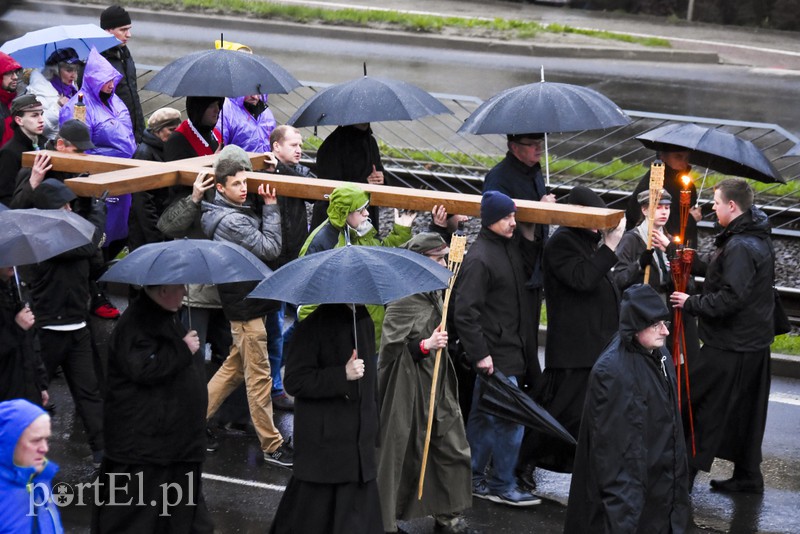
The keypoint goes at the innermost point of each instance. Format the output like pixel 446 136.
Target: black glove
pixel 646 258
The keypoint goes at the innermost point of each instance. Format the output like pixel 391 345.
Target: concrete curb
pixel 784 365
pixel 368 35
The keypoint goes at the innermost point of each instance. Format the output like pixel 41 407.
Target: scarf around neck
pixel 196 140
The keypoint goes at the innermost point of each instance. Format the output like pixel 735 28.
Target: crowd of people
pixel 358 378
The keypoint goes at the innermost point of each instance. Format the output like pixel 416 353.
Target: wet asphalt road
pixel 242 492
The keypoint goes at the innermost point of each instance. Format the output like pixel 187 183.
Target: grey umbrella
pixel 544 107
pixel 34 235
pixel 714 149
pixel 364 100
pixel 354 274
pixel 221 73
pixel 187 261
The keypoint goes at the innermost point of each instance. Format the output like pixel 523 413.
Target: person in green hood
pixel 347 209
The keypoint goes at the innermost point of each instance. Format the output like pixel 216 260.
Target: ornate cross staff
pixel 656 184
pixel 458 245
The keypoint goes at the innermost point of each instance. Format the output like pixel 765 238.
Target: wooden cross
pixel 120 175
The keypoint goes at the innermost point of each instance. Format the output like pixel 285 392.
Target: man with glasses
pixel 630 471
pixel 11 72
pixel 519 175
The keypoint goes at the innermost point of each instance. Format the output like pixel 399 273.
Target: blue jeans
pixel 274 325
pixel 493 439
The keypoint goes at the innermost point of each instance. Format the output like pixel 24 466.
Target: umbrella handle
pixel 19 289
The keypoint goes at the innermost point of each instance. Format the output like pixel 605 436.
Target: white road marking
pixel 785 398
pixel 242 482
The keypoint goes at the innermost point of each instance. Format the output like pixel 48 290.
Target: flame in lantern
pixel 686 180
pixel 677 240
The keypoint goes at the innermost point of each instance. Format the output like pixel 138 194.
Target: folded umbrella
pixel 33 48
pixel 714 149
pixel 501 398
pixel 222 73
pixel 187 261
pixel 34 235
pixel 364 100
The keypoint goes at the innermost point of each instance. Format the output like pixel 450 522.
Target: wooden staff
pixel 656 184
pixel 458 245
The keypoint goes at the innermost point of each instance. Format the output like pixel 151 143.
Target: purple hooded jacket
pixel 111 131
pixel 240 128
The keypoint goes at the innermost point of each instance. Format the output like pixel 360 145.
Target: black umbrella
pixel 365 100
pixel 714 149
pixel 793 152
pixel 221 73
pixel 187 261
pixel 501 398
pixel 353 274
pixel 34 235
pixel 544 107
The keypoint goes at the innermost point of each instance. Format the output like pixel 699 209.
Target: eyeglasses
pixel 14 73
pixel 657 326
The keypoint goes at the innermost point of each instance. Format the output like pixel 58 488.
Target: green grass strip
pixel 507 28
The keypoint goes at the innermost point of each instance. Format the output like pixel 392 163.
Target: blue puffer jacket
pixel 23 511
pixel 240 128
pixel 111 131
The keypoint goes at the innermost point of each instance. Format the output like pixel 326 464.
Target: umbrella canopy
pixel 187 261
pixel 33 48
pixel 544 107
pixel 220 73
pixel 714 149
pixel 353 274
pixel 500 397
pixel 365 100
pixel 34 235
pixel 793 152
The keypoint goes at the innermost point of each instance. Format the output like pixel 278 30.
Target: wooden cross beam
pixel 118 176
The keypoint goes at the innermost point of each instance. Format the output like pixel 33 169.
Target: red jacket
pixel 7 63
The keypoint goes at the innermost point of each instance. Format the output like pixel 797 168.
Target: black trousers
pixel 151 498
pixel 730 394
pixel 72 351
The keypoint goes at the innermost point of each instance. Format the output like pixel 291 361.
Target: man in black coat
pixel 28 124
pixel 155 420
pixel 730 380
pixel 335 426
pixel 492 315
pixel 116 21
pixel 582 316
pixel 630 471
pixel 350 153
pixel 60 293
pixel 147 206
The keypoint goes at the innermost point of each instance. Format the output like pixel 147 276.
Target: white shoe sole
pixel 500 500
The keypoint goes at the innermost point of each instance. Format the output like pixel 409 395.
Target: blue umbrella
pixel 366 100
pixel 187 261
pixel 34 235
pixel 222 73
pixel 33 48
pixel 353 274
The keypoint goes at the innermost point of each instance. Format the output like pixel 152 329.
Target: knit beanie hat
pixel 494 206
pixel 114 17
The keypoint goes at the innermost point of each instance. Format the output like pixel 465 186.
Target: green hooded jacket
pixel 344 200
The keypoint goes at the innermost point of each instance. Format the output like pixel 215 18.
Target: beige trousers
pixel 248 362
